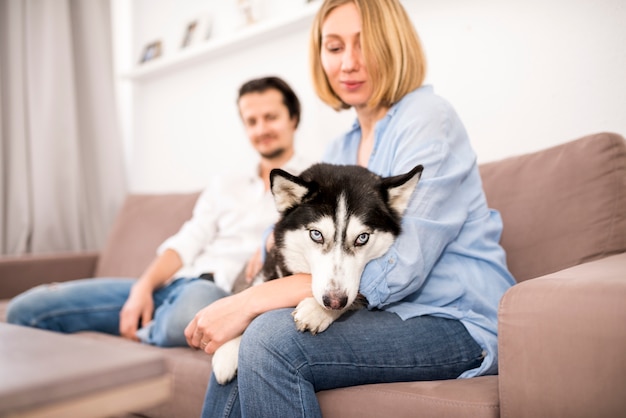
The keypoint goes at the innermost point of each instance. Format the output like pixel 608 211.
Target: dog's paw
pixel 225 361
pixel 309 315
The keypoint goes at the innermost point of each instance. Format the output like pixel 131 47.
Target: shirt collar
pixel 295 165
pixel 392 110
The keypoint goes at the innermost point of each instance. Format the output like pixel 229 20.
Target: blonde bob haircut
pixel 391 48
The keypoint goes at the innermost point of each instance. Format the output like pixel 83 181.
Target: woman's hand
pixel 138 308
pixel 219 322
pixel 229 317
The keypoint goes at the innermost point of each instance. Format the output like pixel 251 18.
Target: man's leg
pixel 78 305
pixel 175 308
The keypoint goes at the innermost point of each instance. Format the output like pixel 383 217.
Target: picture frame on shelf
pixel 189 34
pixel 151 51
pixel 247 12
pixel 197 30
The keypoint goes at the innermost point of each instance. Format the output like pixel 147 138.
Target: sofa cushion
pixel 459 398
pixel 191 369
pixel 560 206
pixel 153 218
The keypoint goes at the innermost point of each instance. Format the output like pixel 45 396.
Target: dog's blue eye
pixel 362 239
pixel 316 236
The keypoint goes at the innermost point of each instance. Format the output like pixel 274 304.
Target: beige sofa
pixel 562 334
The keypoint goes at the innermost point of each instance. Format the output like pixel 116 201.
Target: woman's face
pixel 342 57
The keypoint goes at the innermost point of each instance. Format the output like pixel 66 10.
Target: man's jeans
pixel 95 304
pixel 280 368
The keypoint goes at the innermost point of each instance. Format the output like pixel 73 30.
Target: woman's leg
pixel 280 369
pixel 221 401
pixel 176 308
pixel 78 305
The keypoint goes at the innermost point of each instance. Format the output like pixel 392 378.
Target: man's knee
pixel 23 309
pixel 14 314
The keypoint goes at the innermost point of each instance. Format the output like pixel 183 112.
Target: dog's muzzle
pixel 334 300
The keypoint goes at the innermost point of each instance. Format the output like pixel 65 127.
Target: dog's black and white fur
pixel 334 219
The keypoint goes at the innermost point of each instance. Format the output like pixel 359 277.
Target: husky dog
pixel 334 219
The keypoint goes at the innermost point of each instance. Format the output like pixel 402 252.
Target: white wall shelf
pixel 213 48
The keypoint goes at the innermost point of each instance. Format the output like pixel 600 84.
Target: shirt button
pixel 391 261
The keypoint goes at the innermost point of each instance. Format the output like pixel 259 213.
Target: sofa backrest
pixel 143 223
pixel 560 206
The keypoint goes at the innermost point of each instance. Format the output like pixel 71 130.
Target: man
pixel 197 265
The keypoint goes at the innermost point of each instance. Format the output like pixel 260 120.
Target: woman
pixel 433 297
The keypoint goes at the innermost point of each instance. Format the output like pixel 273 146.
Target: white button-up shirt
pixel 227 225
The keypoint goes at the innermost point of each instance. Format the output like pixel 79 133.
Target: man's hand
pixel 254 266
pixel 139 307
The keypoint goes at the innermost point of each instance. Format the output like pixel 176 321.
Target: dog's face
pixel 334 220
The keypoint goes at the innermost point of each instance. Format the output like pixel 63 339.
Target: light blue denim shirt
pixel 447 261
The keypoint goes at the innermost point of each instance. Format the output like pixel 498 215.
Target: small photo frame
pixel 197 30
pixel 150 52
pixel 189 34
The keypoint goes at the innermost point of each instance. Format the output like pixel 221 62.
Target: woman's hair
pixel 391 48
pixel 260 85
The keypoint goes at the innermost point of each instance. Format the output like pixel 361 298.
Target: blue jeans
pixel 95 304
pixel 280 369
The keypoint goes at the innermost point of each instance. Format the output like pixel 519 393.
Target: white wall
pixel 522 76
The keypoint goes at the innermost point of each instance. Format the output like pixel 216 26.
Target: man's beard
pixel 278 152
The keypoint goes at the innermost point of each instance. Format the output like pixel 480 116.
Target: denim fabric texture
pixel 95 304
pixel 278 377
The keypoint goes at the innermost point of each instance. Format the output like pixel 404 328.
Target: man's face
pixel 267 123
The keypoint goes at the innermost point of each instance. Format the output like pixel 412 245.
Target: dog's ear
pixel 288 190
pixel 400 188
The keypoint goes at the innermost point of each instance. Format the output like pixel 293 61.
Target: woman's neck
pixel 368 117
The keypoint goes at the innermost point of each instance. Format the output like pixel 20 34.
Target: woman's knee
pixel 273 350
pixel 270 333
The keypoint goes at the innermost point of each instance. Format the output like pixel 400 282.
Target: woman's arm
pixel 228 317
pixel 424 130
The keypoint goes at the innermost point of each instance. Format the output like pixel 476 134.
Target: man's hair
pixel 260 85
pixel 391 49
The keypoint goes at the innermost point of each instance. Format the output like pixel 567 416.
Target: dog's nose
pixel 335 300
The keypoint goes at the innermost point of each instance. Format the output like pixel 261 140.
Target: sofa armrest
pixel 19 273
pixel 562 343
